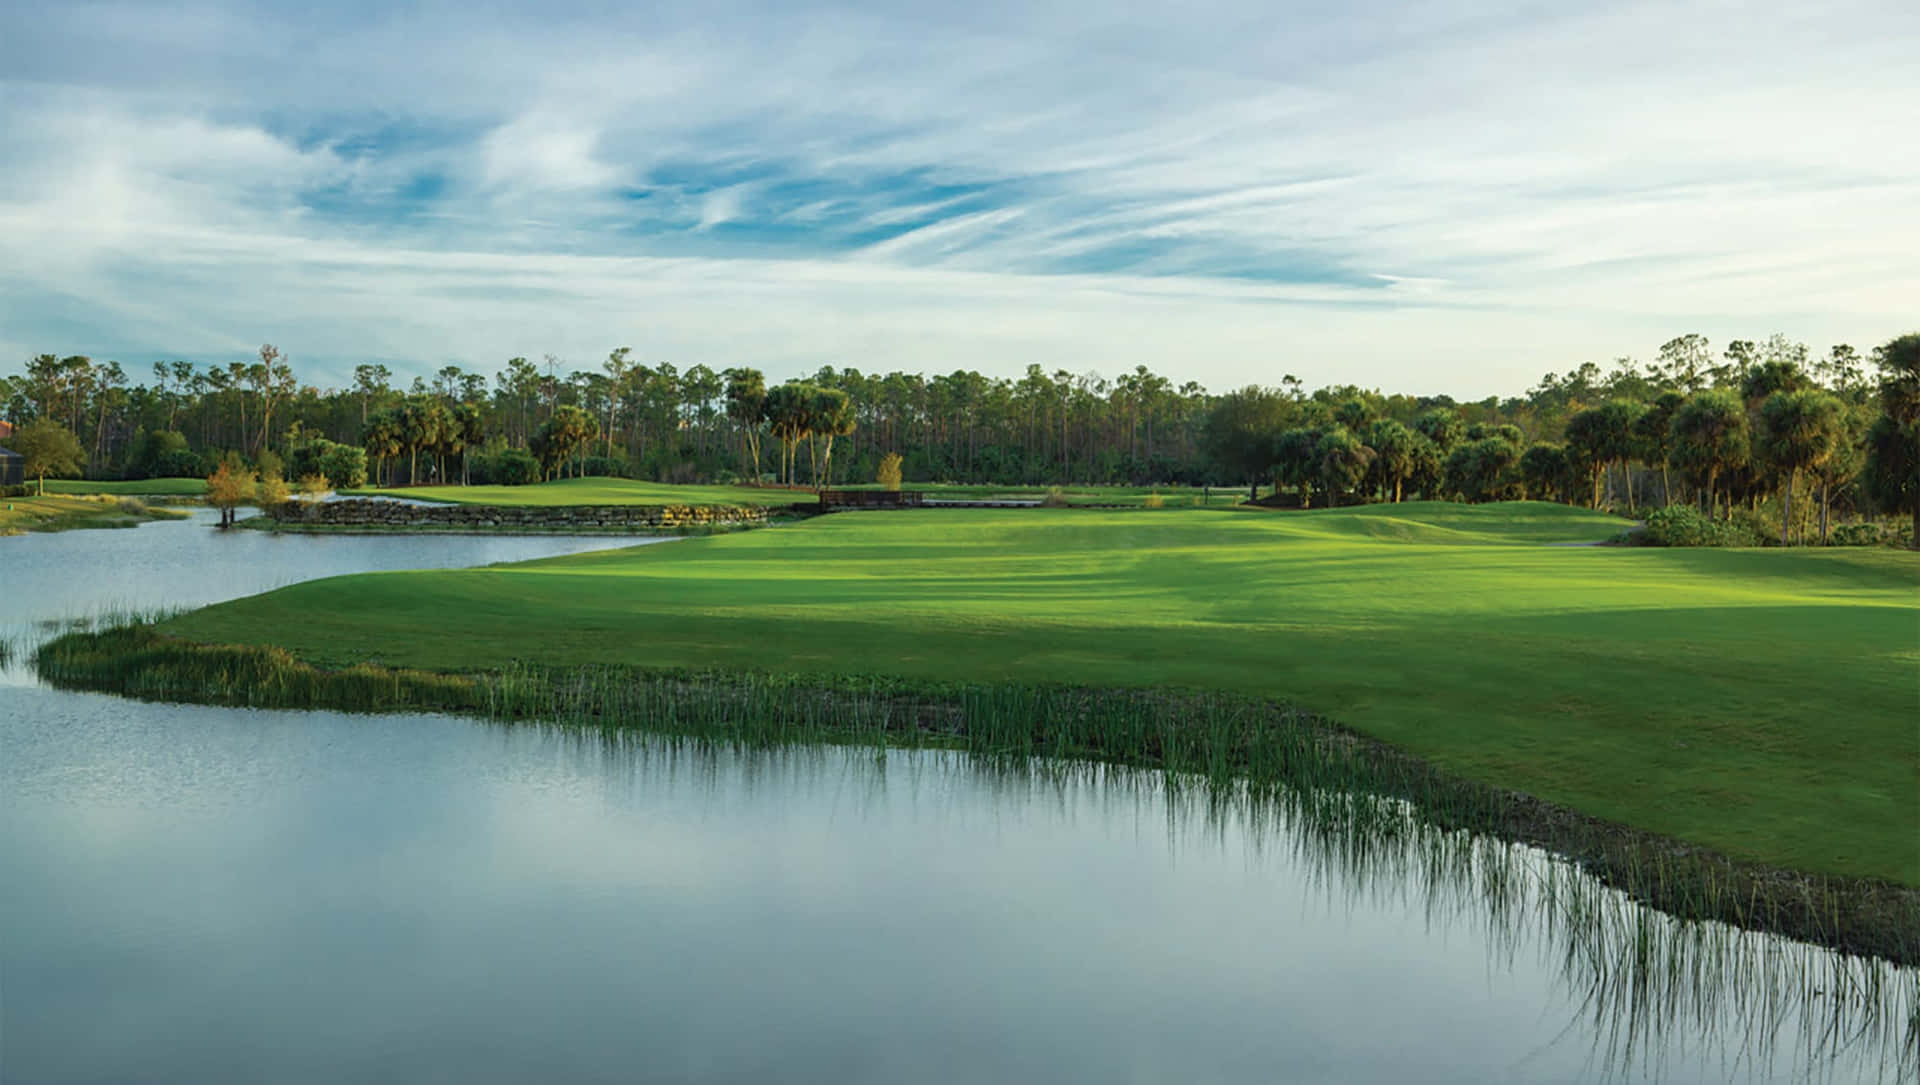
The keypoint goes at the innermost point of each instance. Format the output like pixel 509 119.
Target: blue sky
pixel 1421 196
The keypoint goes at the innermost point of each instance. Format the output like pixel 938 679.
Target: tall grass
pixel 1645 985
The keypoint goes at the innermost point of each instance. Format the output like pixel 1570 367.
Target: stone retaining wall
pixel 364 513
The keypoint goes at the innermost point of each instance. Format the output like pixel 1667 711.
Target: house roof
pixel 7 453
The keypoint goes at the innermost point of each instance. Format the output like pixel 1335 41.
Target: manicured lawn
pixel 620 491
pixel 1763 702
pixel 1171 496
pixel 594 491
pixel 146 487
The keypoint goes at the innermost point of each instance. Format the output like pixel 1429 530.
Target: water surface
pixel 203 894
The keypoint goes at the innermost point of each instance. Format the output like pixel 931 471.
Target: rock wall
pixel 365 513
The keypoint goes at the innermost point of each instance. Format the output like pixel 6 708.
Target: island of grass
pixel 1757 703
pixel 70 512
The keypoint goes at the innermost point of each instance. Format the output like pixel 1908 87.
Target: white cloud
pixel 1497 191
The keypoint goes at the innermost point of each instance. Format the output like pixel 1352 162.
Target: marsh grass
pixel 1226 740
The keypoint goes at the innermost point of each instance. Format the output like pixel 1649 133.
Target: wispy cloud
pixel 1364 194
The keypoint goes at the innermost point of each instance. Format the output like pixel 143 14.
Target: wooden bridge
pixel 871 499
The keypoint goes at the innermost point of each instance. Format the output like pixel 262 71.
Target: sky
pixel 1422 197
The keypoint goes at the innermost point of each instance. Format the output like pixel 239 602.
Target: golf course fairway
pixel 1760 702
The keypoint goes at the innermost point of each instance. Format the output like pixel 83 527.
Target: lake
pixel 201 894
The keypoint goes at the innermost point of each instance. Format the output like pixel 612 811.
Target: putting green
pixel 1762 702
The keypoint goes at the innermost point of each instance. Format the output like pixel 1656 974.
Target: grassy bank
pixel 1757 702
pixel 56 512
pixel 146 487
pixel 1315 774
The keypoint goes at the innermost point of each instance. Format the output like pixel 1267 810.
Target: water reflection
pixel 1647 997
pixel 206 894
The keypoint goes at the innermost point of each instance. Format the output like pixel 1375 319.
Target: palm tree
pixel 1893 445
pixel 1710 438
pixel 831 412
pixel 382 442
pixel 1343 462
pixel 787 411
pixel 746 407
pixel 1798 431
pixel 1393 449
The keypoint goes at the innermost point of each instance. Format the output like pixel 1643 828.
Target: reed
pixel 1229 742
pixel 1643 984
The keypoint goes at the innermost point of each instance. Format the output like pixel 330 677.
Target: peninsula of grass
pixel 1757 703
pixel 146 487
pixel 68 512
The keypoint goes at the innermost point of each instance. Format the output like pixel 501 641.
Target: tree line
pixel 1754 422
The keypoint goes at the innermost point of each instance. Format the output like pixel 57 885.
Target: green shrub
pixel 1858 535
pixel 343 465
pixel 180 463
pixel 514 467
pixel 1684 525
pixel 604 467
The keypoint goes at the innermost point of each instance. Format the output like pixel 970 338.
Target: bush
pixel 344 465
pixel 1858 535
pixel 888 473
pixel 1154 501
pixel 270 492
pixel 604 467
pixel 179 463
pixel 1684 525
pixel 514 467
pixel 151 449
pixel 1056 498
pixel 271 465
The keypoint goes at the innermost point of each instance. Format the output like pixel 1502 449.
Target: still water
pixel 196 894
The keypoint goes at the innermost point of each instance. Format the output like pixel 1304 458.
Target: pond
pixel 205 894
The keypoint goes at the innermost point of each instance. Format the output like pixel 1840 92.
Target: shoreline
pixel 1224 738
pixel 268 524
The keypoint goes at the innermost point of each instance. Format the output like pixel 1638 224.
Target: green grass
pixel 1171 496
pixel 620 491
pixel 64 512
pixel 147 487
pixel 593 491
pixel 1760 702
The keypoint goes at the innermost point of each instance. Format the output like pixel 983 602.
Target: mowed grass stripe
pixel 1759 702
